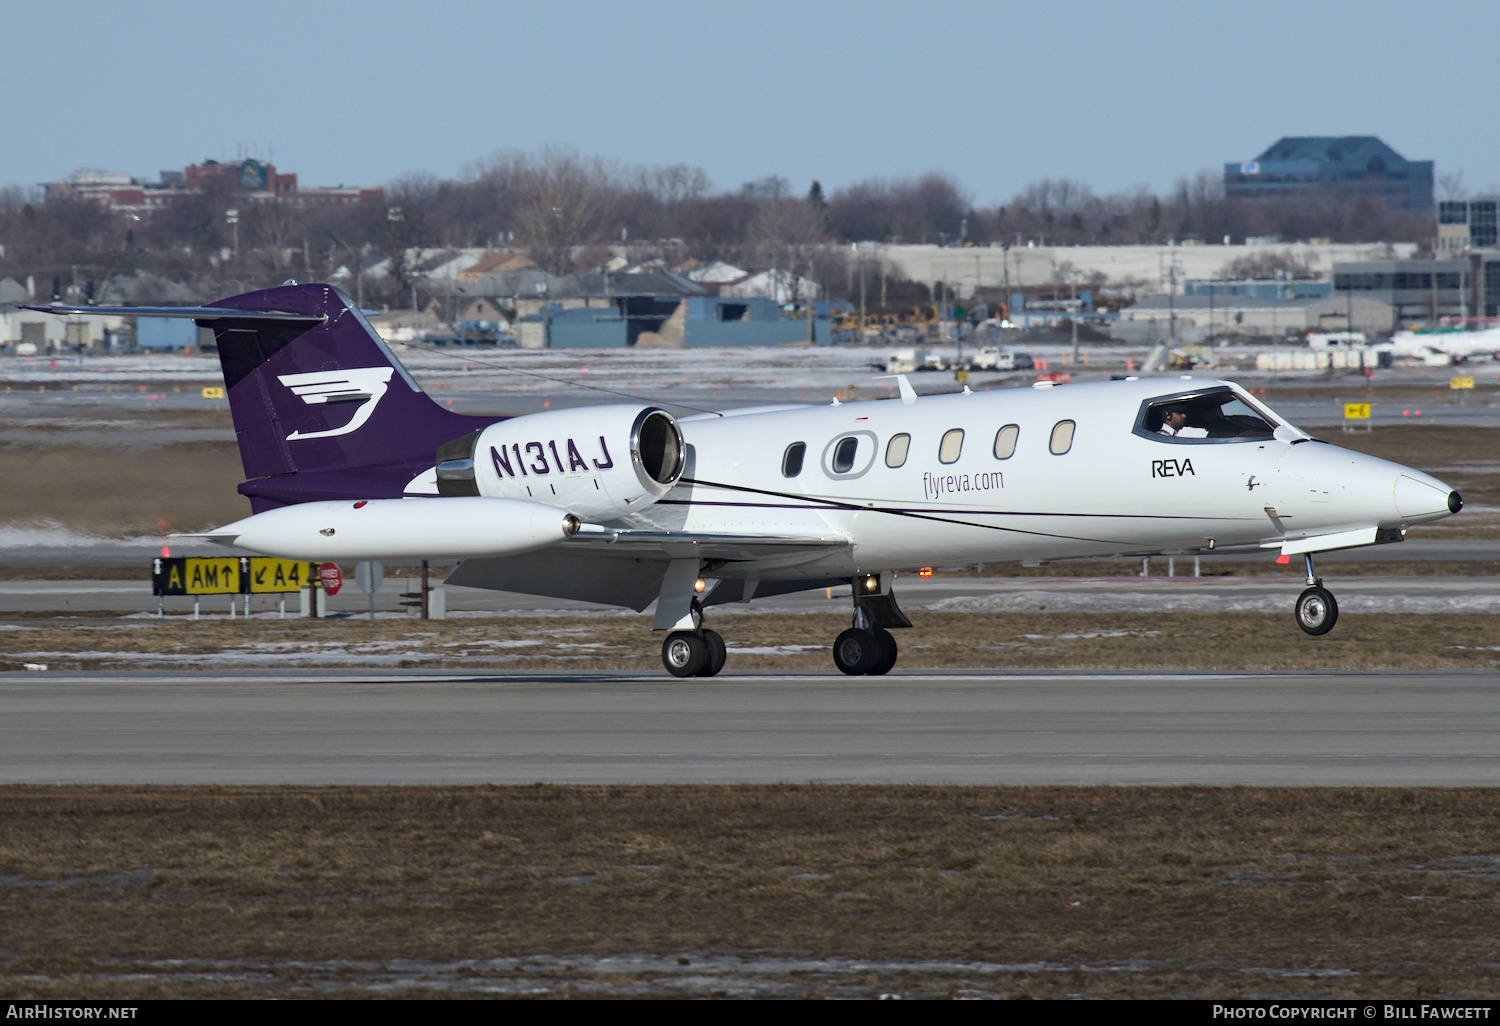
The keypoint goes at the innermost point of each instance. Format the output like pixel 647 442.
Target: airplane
pixel 1442 347
pixel 346 458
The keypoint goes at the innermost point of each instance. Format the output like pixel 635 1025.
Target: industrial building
pixel 1467 224
pixel 1426 291
pixel 1344 166
pixel 1200 318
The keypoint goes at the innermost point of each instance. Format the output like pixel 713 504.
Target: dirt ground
pixel 768 641
pixel 775 890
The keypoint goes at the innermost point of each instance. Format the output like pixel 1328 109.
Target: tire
pixel 684 654
pixel 717 653
pixel 855 651
pixel 1316 611
pixel 885 657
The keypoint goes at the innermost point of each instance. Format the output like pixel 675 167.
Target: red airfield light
pixel 926 571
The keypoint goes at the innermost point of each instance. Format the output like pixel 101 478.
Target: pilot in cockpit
pixel 1174 423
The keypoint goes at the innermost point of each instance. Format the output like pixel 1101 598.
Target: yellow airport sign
pixel 193 576
pixel 213 576
pixel 213 393
pixel 269 576
pixel 1356 411
pixel 1460 383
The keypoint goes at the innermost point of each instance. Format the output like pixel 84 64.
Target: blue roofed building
pixel 1346 166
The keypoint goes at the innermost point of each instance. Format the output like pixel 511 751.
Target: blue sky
pixel 998 94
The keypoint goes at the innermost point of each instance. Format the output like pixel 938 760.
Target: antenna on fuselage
pixel 908 394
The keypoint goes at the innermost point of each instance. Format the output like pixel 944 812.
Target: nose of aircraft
pixel 1420 498
pixel 1355 486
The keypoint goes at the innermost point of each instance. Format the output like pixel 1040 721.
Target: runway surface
pixel 1375 729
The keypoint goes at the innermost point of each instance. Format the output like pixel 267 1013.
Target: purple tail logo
pixel 364 385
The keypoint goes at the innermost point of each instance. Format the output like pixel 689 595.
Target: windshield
pixel 1213 415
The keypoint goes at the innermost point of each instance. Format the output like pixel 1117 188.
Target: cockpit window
pixel 1217 415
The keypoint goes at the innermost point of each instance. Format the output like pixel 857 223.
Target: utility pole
pixel 1172 302
pixel 861 300
pixel 1076 312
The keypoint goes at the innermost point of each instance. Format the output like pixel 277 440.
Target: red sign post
pixel 331 577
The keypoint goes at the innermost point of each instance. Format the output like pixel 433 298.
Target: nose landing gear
pixel 1316 610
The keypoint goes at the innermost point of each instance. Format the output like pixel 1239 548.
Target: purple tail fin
pixel 322 409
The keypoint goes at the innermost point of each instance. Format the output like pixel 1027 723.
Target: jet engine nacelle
pixel 401 529
pixel 600 462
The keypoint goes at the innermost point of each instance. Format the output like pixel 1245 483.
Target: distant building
pixel 1427 290
pixel 1260 288
pixel 252 181
pixel 1345 166
pixel 1200 318
pixel 1467 224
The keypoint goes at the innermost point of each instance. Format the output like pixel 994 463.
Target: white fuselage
pixel 1113 490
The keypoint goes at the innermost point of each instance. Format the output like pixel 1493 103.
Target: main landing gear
pixel 699 653
pixel 692 650
pixel 868 648
pixel 1316 610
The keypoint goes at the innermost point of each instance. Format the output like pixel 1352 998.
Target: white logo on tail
pixel 364 385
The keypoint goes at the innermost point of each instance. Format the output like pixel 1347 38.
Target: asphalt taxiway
pixel 341 727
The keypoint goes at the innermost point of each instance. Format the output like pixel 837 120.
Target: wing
pixel 627 568
pixel 761 549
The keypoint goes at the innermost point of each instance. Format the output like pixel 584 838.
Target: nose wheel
pixel 1316 610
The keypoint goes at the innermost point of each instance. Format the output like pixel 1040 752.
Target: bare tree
pixel 1451 185
pixel 563 200
pixel 788 233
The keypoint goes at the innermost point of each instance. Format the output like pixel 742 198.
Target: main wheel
pixel 684 654
pixel 717 652
pixel 1316 611
pixel 855 651
pixel 886 656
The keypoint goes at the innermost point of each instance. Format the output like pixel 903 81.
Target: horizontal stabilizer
pixel 197 313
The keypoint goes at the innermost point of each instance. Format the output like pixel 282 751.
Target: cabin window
pixel 896 450
pixel 1215 416
pixel 1005 441
pixel 952 445
pixel 1062 437
pixel 791 460
pixel 843 455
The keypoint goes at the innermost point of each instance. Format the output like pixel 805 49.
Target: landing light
pixel 699 585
